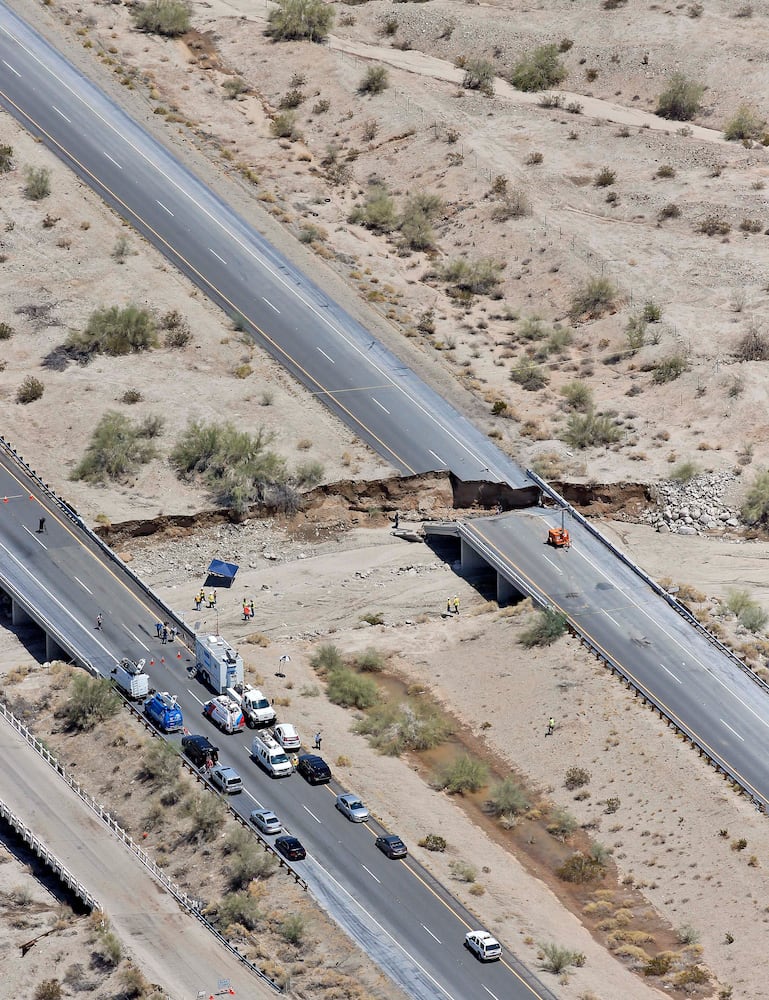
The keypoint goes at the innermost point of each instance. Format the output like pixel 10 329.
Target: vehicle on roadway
pixel 271 756
pixel 217 663
pixel 290 848
pixel 199 750
pixel 352 807
pixel 226 779
pixel 313 769
pixel 392 846
pixel 164 712
pixel 256 707
pixel 131 679
pixel 287 736
pixel 485 947
pixel 266 821
pixel 225 713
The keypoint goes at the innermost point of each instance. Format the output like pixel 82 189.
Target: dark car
pixel 199 749
pixel 392 846
pixel 290 848
pixel 314 769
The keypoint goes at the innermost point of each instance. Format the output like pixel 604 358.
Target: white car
pixel 483 945
pixel 352 807
pixel 266 821
pixel 287 736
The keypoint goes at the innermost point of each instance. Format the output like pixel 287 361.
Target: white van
pixel 271 756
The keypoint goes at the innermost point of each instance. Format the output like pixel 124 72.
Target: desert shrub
pixel 170 18
pixel 415 221
pixel 479 75
pixel 737 600
pixel 605 177
pixel 476 277
pixel 539 69
pixel 434 842
pixel 346 688
pixel 508 798
pixel 294 928
pixel 680 99
pixel 118 447
pixel 751 225
pixel 578 396
pixel 132 983
pixel 91 700
pixel 234 86
pixel 283 126
pixel 292 98
pixel 753 618
pixel 529 376
pixel 561 823
pixel 684 472
pixel 557 959
pixel 462 871
pixel 591 430
pixel 576 777
pixel 753 345
pixel 580 868
pixel 592 299
pixel 115 331
pixel 49 989
pixel 377 211
pixel 6 159
pixel 325 659
pixel 755 507
pixel 250 862
pixel 687 934
pixel 177 329
pixel 635 332
pixel 30 390
pixel 669 369
pixel 37 183
pixel 206 813
pixel 370 661
pixel 547 626
pixel 713 225
pixel 744 124
pixel 237 466
pixel 293 20
pixel 6 331
pixel 238 908
pixel 651 312
pixel 463 774
pixel 665 170
pixel 321 107
pixel 309 473
pixel 511 205
pixel 393 728
pixel 109 948
pixel 669 211
pixel 160 763
pixel 694 975
pixel 374 80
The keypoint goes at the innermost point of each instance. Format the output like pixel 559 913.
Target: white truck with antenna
pixel 217 663
pixel 256 708
pixel 131 679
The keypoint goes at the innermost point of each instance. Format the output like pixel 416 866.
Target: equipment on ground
pixel 559 538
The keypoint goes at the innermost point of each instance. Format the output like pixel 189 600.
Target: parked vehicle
pixel 217 663
pixel 256 708
pixel 392 846
pixel 287 736
pixel 266 821
pixel 164 712
pixel 291 848
pixel 485 947
pixel 352 807
pixel 313 769
pixel 199 750
pixel 225 713
pixel 131 679
pixel 271 756
pixel 227 780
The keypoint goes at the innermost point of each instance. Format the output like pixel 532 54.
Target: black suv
pixel 314 769
pixel 199 749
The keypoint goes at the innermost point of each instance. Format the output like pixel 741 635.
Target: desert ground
pixel 711 292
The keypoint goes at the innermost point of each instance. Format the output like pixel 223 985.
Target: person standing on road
pixel 456 605
pixel 550 726
pixel 159 628
pixel 164 635
pixel 98 621
pixel 41 528
pixel 197 602
pixel 318 738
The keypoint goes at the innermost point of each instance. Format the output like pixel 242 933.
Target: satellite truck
pixel 131 679
pixel 217 663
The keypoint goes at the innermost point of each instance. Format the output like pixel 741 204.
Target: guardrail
pixel 187 902
pixel 616 667
pixel 670 599
pixel 49 858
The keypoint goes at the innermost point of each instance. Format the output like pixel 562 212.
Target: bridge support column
pixel 53 650
pixel 505 590
pixel 19 616
pixel 472 561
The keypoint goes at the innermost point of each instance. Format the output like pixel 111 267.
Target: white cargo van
pixel 271 756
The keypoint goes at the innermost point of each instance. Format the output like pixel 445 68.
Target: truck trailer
pixel 217 663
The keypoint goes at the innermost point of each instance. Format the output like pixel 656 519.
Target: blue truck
pixel 164 712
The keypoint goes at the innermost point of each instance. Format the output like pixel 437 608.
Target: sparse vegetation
pixel 529 375
pixel 681 98
pixel 508 798
pixel 91 700
pixel 473 277
pixel 578 396
pixel 745 124
pixel 296 20
pixel 479 75
pixel 580 868
pixel 238 908
pixel 593 299
pixel 350 690
pixel 293 928
pixel 374 80
pixel 31 389
pixel 463 871
pixel 561 823
pixel 114 331
pixel 434 842
pixel 755 507
pixel 463 774
pixel 605 177
pixel 6 159
pixel 170 18
pixel 557 959
pixel 206 813
pixel 394 728
pixel 576 777
pixel 6 331
pixel 591 430
pixel 49 989
pixel 713 225
pixel 547 626
pixel 684 472
pixel 539 70
pixel 670 368
pixel 37 183
pixel 234 86
pixel 283 126
pixel 118 447
pixel 377 211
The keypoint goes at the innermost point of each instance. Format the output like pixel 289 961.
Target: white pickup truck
pixel 256 708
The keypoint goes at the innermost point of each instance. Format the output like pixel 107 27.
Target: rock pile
pixel 695 507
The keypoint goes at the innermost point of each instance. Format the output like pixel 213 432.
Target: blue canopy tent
pixel 221 573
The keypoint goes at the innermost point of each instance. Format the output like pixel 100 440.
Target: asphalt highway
pixel 365 385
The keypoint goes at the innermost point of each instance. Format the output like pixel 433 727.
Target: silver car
pixel 352 807
pixel 266 821
pixel 226 779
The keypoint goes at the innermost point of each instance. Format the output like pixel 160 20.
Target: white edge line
pixel 732 730
pixel 371 874
pixel 312 814
pixel 431 933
